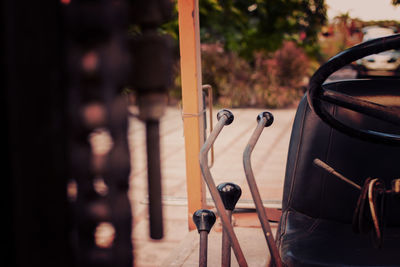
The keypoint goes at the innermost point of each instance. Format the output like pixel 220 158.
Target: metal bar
pixel 214 193
pixel 210 110
pixel 203 249
pixel 154 179
pixel 192 107
pixel 226 245
pixel 204 221
pixel 256 194
pixel 326 167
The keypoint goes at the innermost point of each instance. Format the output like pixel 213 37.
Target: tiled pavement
pixel 179 247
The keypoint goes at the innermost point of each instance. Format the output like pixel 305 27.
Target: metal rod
pixel 230 194
pixel 386 113
pixel 226 245
pixel 204 221
pixel 154 179
pixel 203 249
pixel 262 215
pixel 214 193
pixel 326 167
pixel 210 107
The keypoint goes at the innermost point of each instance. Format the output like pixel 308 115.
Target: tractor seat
pixel 309 241
pixel 317 208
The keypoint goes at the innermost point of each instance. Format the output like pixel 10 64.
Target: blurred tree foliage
pixel 247 26
pixel 256 52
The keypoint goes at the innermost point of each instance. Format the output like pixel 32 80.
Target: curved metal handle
pixel 210 107
pixel 225 117
pixel 264 119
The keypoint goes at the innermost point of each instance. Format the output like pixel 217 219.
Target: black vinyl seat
pixel 317 208
pixel 309 241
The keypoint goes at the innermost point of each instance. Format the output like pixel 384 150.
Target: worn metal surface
pixel 209 92
pixel 226 245
pixel 223 120
pixel 203 249
pixel 255 192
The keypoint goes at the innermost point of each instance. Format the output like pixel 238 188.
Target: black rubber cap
pixel 204 220
pixel 230 194
pixel 268 116
pixel 226 112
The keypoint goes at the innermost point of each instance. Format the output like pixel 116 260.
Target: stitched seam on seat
pixel 324 176
pixel 283 227
pixel 315 224
pixel 297 157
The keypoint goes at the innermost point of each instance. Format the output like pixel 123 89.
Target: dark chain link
pixel 97 68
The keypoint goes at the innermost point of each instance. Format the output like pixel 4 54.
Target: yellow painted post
pixel 193 124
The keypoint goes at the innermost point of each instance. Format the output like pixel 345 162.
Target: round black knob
pixel 230 194
pixel 227 113
pixel 204 220
pixel 268 116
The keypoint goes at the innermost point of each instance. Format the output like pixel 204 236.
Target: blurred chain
pixel 97 68
pixel 151 75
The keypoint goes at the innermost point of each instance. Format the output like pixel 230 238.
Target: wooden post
pixel 192 102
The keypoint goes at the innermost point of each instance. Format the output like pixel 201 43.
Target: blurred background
pixel 262 53
pixel 256 55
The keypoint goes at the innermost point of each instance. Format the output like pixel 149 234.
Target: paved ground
pixel 268 161
pixel 179 247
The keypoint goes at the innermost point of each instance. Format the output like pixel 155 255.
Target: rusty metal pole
pixel 225 117
pixel 204 221
pixel 264 119
pixel 230 194
pixel 203 249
